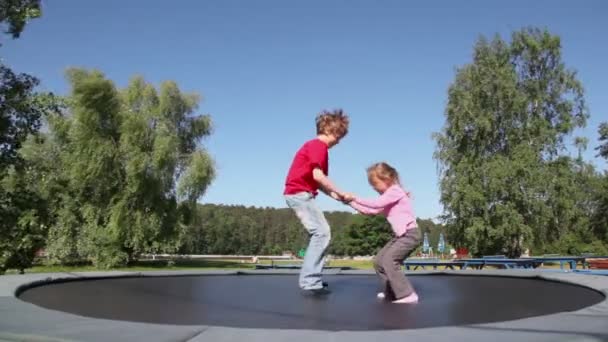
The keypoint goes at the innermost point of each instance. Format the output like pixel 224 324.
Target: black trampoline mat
pixel 276 302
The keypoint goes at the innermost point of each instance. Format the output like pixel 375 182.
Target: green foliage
pixel 220 229
pixel 22 231
pixel 14 15
pixel 599 219
pixel 22 211
pixel 365 236
pixel 603 147
pixel 575 244
pixel 504 182
pixel 126 169
pixel 20 113
pixel 198 171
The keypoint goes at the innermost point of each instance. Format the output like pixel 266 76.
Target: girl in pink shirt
pixel 396 204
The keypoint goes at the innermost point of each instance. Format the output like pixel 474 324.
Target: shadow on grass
pixel 190 263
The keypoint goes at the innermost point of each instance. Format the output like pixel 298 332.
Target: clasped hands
pixel 344 197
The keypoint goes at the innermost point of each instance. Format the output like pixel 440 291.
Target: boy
pixel 308 174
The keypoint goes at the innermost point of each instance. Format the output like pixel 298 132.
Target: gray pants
pixel 389 260
pixel 318 229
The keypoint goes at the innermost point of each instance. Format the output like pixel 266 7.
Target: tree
pixel 127 172
pixel 603 147
pixel 20 111
pixel 599 220
pixel 14 15
pixel 366 235
pixel 508 116
pixel 22 230
pixel 581 145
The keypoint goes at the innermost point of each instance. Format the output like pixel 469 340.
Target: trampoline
pixel 273 301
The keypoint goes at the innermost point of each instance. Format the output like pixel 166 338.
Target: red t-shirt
pixel 313 154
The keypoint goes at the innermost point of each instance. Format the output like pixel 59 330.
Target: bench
pixel 415 264
pixel 507 263
pixel 597 264
pixel 572 261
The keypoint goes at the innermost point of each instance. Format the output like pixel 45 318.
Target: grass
pixel 185 264
pixel 358 264
pixel 146 265
pixel 198 264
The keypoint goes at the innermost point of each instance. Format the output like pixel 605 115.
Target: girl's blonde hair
pixel 384 172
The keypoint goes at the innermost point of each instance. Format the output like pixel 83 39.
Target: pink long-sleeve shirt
pixel 395 204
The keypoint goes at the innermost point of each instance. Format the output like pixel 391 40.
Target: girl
pixel 395 203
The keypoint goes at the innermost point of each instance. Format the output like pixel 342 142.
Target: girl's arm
pixel 390 196
pixel 363 209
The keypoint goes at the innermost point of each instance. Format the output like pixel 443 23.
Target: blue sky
pixel 265 68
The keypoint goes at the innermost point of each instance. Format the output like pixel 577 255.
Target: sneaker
pixel 412 298
pixel 317 292
pixel 381 295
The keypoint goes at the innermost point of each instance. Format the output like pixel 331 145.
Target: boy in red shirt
pixel 308 174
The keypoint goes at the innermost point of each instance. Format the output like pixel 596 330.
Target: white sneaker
pixel 411 299
pixel 381 295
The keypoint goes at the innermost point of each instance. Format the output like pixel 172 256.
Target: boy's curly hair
pixel 334 122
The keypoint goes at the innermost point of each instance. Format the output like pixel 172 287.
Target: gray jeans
pixel 389 260
pixel 314 222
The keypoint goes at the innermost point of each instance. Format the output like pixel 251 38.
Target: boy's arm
pixel 325 184
pixel 331 194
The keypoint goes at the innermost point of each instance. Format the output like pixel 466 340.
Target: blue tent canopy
pixel 441 244
pixel 425 243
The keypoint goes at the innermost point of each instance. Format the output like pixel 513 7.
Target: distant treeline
pixel 220 229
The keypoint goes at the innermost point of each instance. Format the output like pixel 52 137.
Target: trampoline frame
pixel 20 320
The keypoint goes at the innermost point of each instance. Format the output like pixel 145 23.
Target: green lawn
pixel 358 264
pixel 156 265
pixel 186 264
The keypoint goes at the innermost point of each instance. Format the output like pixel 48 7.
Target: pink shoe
pixel 413 298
